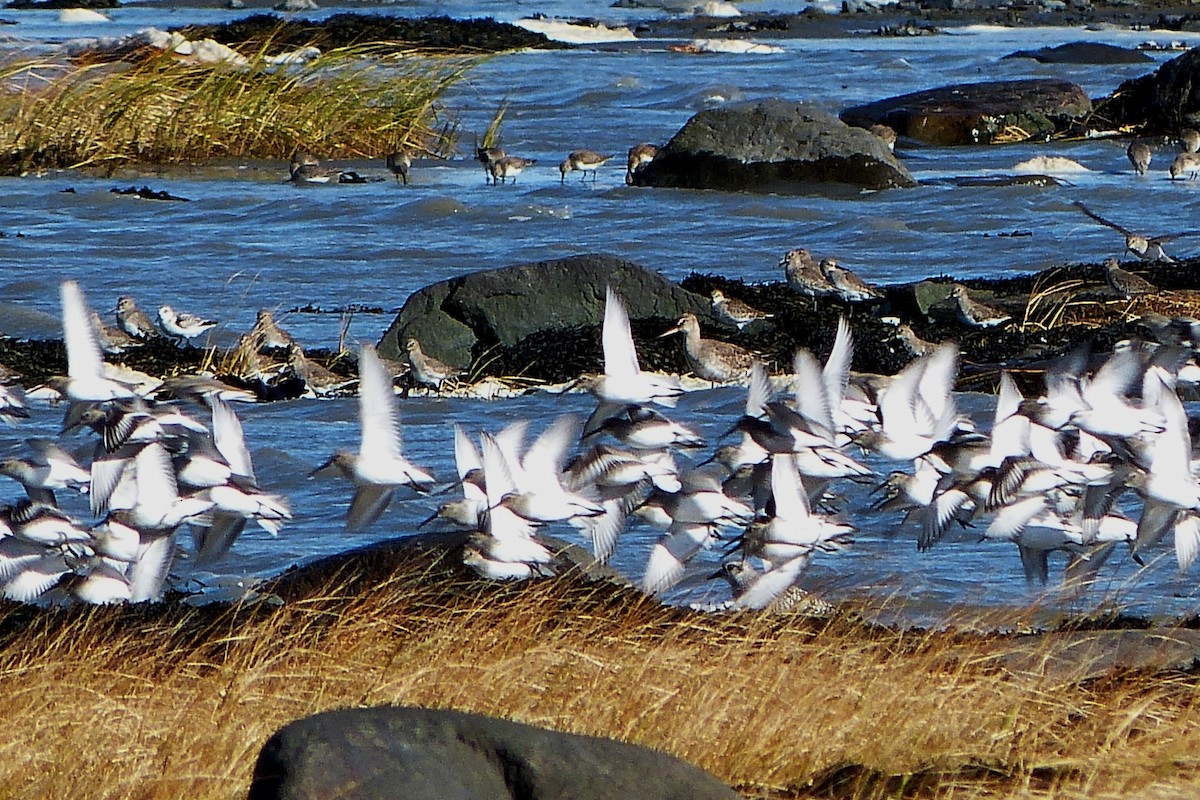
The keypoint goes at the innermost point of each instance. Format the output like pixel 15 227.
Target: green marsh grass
pixel 359 101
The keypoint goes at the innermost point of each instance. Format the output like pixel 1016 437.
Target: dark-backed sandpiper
pixel 267 333
pixel 848 287
pixel 1125 283
pixel 398 164
pixel 583 160
pixel 804 275
pixel 975 314
pixel 734 311
pixel 1188 163
pixel 639 156
pixel 913 344
pixel 485 156
pixel 887 134
pixel 427 369
pixel 306 168
pixel 134 321
pixel 509 167
pixel 1139 156
pixel 709 358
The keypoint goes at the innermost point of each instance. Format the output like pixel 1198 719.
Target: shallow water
pixel 248 240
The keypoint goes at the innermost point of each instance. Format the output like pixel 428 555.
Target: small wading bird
pixel 398 164
pixel 639 156
pixel 1188 163
pixel 487 156
pixel 182 326
pixel 1139 156
pixel 1144 247
pixel 583 160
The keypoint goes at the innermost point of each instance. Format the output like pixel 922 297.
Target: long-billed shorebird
pixel 1125 283
pixel 974 314
pixel 736 312
pixel 639 156
pixel 509 167
pixel 583 160
pixel 711 359
pixel 1139 156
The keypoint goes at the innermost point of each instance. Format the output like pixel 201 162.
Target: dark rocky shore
pixel 487 316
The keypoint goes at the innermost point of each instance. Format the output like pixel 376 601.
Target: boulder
pixel 1161 103
pixel 386 753
pixel 458 319
pixel 997 112
pixel 772 146
pixel 1084 53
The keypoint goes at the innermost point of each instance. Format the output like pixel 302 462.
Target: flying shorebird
pixel 378 469
pixel 1145 248
pixel 583 160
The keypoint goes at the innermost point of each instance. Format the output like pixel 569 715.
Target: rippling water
pixel 248 240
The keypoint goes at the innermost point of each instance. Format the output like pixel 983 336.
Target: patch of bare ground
pixel 172 701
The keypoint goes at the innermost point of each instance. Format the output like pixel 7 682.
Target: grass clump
pixel 170 701
pixel 358 101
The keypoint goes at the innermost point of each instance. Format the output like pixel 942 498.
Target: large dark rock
pixel 1084 53
pixel 388 753
pixel 459 319
pixel 1162 102
pixel 979 113
pixel 772 146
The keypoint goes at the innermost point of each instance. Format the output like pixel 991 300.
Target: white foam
pixel 574 33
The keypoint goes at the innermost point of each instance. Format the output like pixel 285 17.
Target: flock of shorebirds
pixel 1048 476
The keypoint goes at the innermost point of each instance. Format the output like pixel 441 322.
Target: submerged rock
pixel 998 112
pixel 459 320
pixel 772 146
pixel 389 752
pixel 1084 53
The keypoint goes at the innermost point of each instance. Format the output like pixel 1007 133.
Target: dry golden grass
pixel 171 702
pixel 361 101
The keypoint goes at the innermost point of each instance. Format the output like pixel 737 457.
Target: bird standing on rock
pixel 639 156
pixel 736 312
pixel 804 275
pixel 848 287
pixel 974 314
pixel 1125 283
pixel 427 369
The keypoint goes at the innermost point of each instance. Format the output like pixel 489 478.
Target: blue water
pixel 248 240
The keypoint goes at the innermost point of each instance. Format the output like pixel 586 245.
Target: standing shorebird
pixel 709 358
pixel 427 369
pixel 1125 283
pixel 398 163
pixel 182 326
pixel 583 160
pixel 486 156
pixel 974 314
pixel 639 156
pixel 1186 162
pixel 914 344
pixel 134 321
pixel 1144 247
pixel 734 311
pixel 509 167
pixel 887 134
pixel 267 333
pixel 1139 155
pixel 804 275
pixel 848 287
pixel 1189 139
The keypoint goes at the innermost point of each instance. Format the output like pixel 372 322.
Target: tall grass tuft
pixel 359 101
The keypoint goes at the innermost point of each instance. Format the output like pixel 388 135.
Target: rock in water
pixel 386 753
pixel 979 113
pixel 503 306
pixel 772 146
pixel 1159 103
pixel 1084 53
